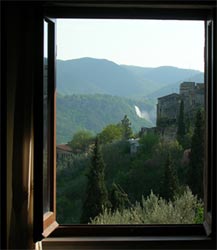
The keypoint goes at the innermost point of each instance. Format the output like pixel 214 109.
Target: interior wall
pixel 11 53
pixel 20 63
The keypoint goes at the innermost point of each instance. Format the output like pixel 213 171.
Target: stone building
pixel 193 97
pixel 64 151
pixel 134 145
pixel 168 106
pixel 168 109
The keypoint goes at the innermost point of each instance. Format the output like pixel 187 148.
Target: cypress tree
pixel 96 192
pixel 127 130
pixel 181 125
pixel 118 198
pixel 170 181
pixel 195 172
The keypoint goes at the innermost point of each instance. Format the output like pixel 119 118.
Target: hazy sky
pixel 148 43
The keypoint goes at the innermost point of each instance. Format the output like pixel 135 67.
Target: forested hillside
pixel 94 112
pixel 106 183
pixel 90 76
pixel 95 92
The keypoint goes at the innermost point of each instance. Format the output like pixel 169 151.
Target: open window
pixel 46 207
pixel 94 77
pixel 210 169
pixel 45 181
pixel 49 130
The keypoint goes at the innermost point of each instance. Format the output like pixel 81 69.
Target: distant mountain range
pixel 91 76
pixel 174 87
pixel 93 93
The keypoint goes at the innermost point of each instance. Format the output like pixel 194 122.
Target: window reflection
pixel 46 197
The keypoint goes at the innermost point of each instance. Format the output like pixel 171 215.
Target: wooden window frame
pixel 188 236
pixel 49 218
pixel 47 222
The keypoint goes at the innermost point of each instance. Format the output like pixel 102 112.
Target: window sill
pixel 151 242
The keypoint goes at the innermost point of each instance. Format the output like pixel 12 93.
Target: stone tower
pixel 192 95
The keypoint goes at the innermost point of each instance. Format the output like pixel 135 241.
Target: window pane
pixel 46 188
pixel 130 121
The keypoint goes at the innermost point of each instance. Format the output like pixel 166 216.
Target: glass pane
pixel 130 121
pixel 46 188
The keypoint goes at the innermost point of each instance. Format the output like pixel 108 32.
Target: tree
pixel 110 133
pixel 181 125
pixel 127 130
pixel 81 141
pixel 118 198
pixel 170 181
pixel 96 192
pixel 195 172
pixel 148 142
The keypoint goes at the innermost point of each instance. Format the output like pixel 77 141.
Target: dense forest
pixel 105 182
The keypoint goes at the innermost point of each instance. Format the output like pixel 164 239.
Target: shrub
pixel 184 209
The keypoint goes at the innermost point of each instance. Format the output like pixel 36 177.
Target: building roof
pixel 133 141
pixel 188 83
pixel 64 147
pixel 166 96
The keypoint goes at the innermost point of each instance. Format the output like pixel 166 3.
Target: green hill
pixel 94 112
pixel 93 93
pixel 91 76
pixel 174 87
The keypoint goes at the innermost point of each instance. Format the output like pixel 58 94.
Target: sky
pixel 145 43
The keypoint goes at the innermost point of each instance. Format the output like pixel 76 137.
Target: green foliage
pixel 136 174
pixel 148 142
pixel 139 173
pixel 172 147
pixel 118 198
pixel 155 210
pixel 181 125
pixel 81 141
pixel 170 181
pixel 199 215
pixel 96 191
pixel 126 126
pixel 94 112
pixel 118 161
pixel 71 184
pixel 110 133
pixel 148 169
pixel 195 173
pixel 190 120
